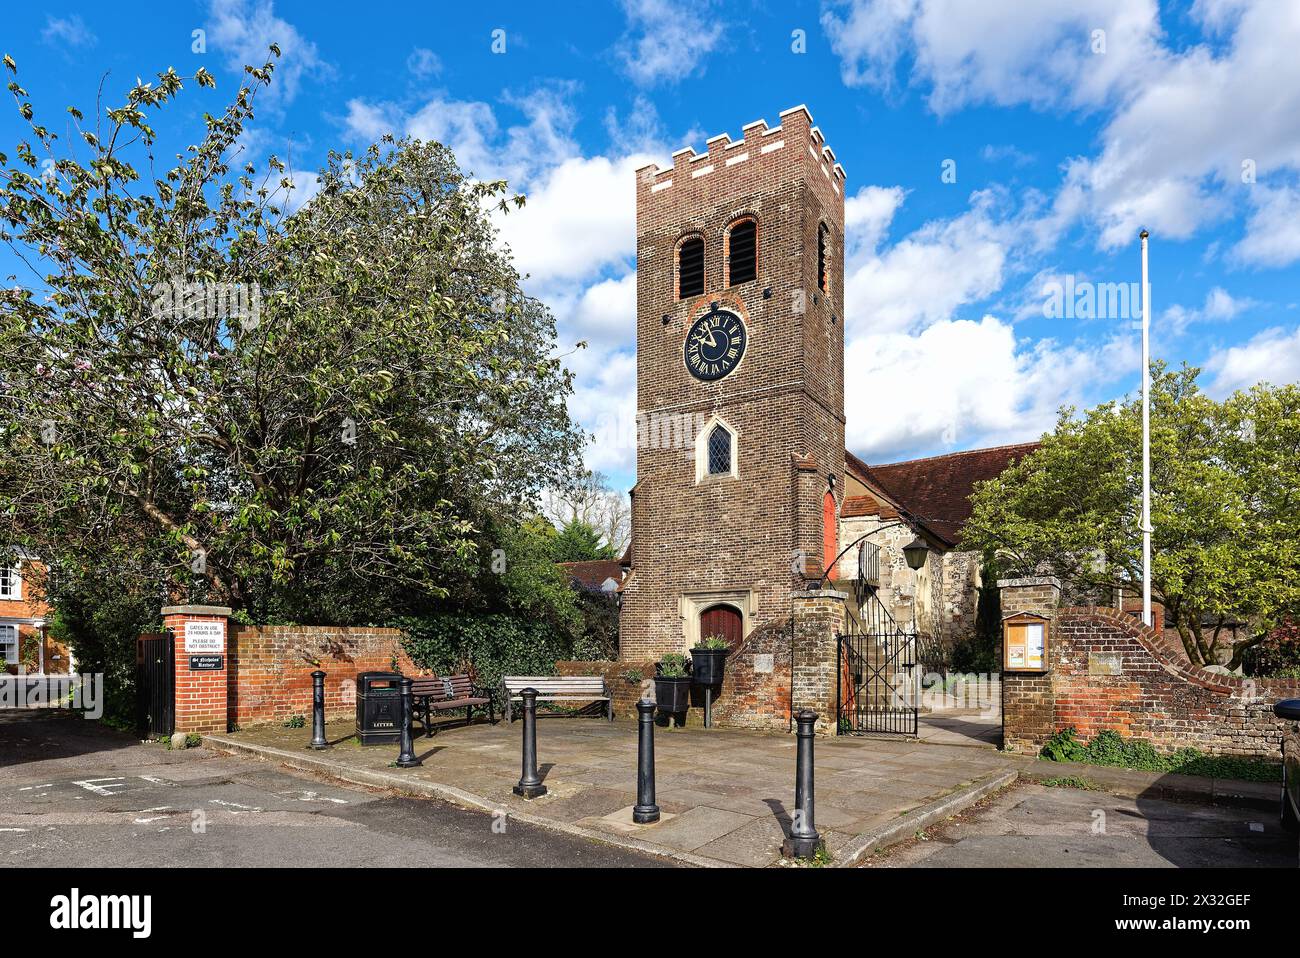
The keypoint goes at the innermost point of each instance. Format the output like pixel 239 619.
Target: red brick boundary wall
pixel 271 666
pixel 265 673
pixel 1108 671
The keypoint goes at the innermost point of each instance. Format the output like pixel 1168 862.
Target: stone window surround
pixel 12 578
pixel 702 474
pixel 692 604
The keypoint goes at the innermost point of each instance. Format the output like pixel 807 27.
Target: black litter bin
pixel 379 707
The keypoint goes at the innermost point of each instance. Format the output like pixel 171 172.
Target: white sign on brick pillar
pixel 205 637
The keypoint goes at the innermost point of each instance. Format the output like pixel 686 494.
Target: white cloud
pixel 68 31
pixel 1174 155
pixel 1272 355
pixel 245 29
pixel 1219 306
pixel 580 219
pixel 1005 52
pixel 1273 229
pixel 666 40
pixel 471 130
pixel 924 277
pixel 960 384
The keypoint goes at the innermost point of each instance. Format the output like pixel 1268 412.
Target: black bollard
pixel 645 812
pixel 804 840
pixel 530 783
pixel 406 758
pixel 318 710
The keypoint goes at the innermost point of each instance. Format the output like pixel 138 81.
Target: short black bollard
pixel 645 811
pixel 804 840
pixel 318 710
pixel 406 758
pixel 530 783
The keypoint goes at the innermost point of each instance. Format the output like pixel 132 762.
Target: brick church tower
pixel 740 385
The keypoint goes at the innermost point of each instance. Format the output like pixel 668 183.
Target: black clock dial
pixel 715 344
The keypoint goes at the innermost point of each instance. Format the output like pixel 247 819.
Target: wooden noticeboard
pixel 1025 642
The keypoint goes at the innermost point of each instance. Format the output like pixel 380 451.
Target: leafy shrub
pixel 296 721
pixel 1064 746
pixel 1110 748
pixel 712 643
pixel 486 646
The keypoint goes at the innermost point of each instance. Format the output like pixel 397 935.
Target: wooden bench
pixel 439 693
pixel 558 688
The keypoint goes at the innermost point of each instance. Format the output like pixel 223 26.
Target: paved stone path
pixel 726 795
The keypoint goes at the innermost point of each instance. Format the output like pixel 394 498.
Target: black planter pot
pixel 707 665
pixel 673 695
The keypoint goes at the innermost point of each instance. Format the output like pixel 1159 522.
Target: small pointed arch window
pixel 742 251
pixel 715 451
pixel 690 267
pixel 720 440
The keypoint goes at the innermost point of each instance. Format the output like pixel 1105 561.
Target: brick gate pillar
pixel 817 619
pixel 1028 702
pixel 202 664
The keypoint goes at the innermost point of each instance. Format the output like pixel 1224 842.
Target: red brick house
pixel 24 621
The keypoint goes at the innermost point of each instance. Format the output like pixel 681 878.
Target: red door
pixel 723 620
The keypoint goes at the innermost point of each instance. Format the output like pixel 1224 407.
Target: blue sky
pixel 1069 126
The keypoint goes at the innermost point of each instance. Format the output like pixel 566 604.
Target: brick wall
pixel 270 668
pixel 1108 671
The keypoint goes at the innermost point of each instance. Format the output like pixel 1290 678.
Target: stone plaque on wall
pixel 1104 663
pixel 763 664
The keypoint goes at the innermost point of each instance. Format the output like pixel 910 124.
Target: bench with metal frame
pixel 558 688
pixel 440 693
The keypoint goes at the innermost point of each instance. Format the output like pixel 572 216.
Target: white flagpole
pixel 1146 437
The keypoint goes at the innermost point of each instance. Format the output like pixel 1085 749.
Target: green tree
pixel 1225 485
pixel 579 542
pixel 305 414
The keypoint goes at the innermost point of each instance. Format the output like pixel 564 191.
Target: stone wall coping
pixel 1051 580
pixel 316 629
pixel 196 610
pixel 823 594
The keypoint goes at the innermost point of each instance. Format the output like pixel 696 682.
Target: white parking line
pixel 91 785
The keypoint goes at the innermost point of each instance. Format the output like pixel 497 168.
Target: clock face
pixel 715 344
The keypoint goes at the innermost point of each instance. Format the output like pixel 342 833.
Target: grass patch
pixel 1070 781
pixel 1109 748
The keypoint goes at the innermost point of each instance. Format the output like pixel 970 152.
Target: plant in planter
pixel 673 683
pixel 708 658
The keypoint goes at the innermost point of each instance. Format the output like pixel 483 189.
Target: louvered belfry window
pixel 690 268
pixel 743 254
pixel 719 451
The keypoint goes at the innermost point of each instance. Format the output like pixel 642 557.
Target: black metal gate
pixel 877 675
pixel 155 685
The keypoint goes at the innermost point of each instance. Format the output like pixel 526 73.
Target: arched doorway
pixel 723 620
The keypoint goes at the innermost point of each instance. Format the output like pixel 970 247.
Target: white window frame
pixel 702 473
pixel 11 648
pixel 15 583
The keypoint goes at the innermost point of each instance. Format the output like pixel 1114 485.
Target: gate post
pixel 1028 700
pixel 202 665
pixel 817 620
